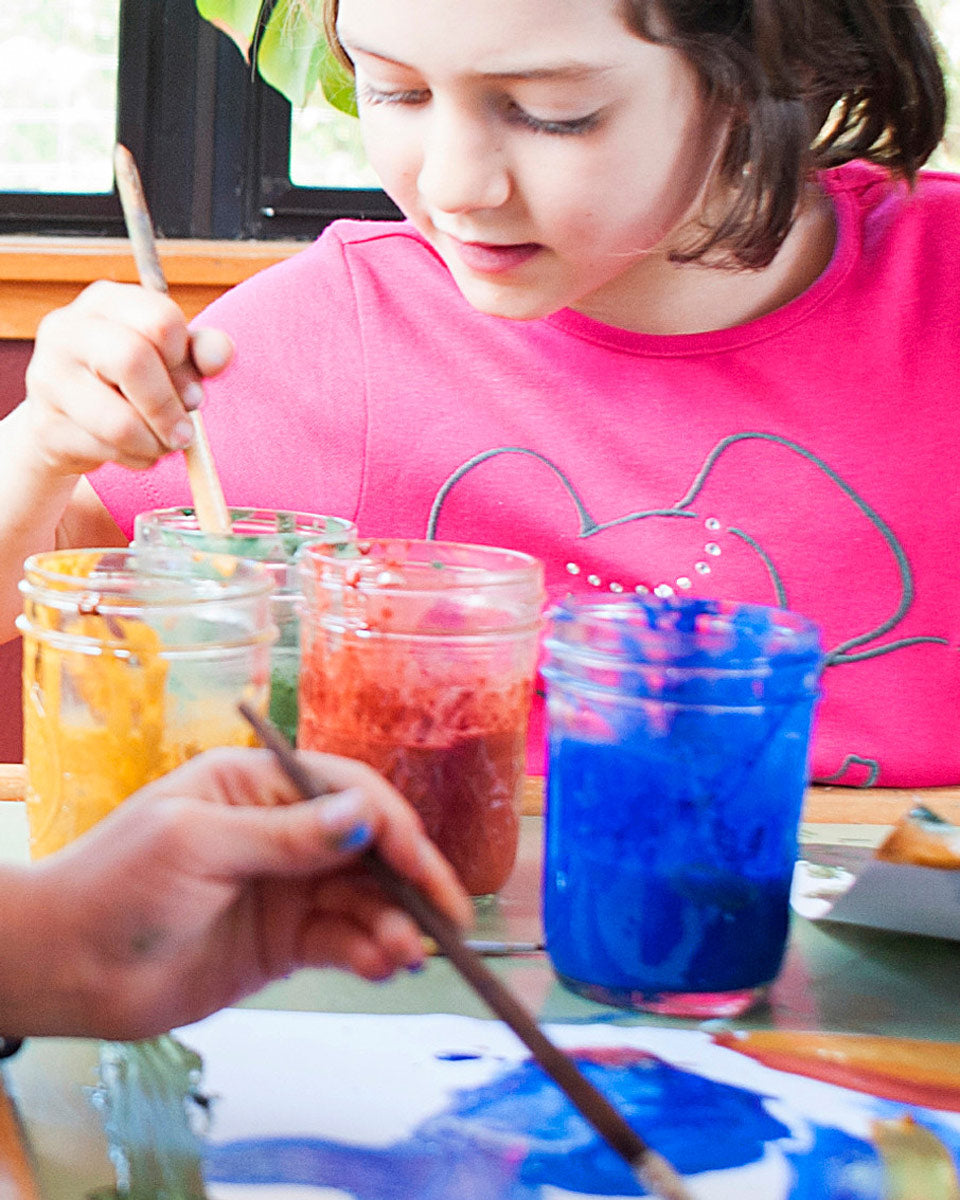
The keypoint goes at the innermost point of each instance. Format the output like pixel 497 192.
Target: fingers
pixel 254 826
pixel 323 835
pixel 399 834
pixel 211 350
pixel 115 373
pixel 355 929
pixel 230 775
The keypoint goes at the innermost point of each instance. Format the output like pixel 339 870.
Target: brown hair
pixel 810 84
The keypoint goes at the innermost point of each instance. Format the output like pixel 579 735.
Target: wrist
pixel 21 979
pixel 26 435
pixel 45 984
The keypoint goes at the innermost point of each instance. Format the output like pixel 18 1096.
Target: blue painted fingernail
pixel 356 837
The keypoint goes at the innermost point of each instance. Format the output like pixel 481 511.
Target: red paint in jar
pixel 418 659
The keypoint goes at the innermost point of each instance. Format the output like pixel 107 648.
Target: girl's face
pixel 548 154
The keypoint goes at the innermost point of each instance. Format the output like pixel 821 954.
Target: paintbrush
pixel 649 1168
pixel 211 509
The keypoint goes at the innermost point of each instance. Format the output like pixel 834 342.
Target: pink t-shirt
pixel 810 458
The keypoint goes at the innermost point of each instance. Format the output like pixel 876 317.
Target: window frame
pixel 211 139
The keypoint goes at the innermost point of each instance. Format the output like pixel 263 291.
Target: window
pixel 58 96
pixel 220 152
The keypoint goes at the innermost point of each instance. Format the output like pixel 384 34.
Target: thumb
pixel 211 350
pixel 296 839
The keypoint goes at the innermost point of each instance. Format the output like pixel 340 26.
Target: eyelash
pixel 519 116
pixel 514 113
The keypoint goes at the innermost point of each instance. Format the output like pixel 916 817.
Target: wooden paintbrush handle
pixel 208 501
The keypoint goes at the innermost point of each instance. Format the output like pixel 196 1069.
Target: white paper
pixel 377 1098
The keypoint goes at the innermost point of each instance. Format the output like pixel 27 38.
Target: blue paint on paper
pixel 458 1056
pixel 514 1136
pixel 843 1167
pixel 508 1139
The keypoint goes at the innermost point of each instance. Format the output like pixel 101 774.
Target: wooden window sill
pixel 38 274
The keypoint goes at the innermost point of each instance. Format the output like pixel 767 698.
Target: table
pixel 836 978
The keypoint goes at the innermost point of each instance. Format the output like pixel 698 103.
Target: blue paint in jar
pixel 678 747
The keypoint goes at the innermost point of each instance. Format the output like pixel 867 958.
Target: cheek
pixel 393 155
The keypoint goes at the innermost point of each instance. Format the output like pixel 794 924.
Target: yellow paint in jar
pixel 114 699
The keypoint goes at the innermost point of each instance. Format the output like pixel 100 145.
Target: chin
pixel 513 304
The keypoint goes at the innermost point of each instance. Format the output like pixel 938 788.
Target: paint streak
pixel 911 1071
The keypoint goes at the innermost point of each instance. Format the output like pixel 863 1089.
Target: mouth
pixel 491 258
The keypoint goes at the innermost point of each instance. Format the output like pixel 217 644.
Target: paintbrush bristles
pixel 656 1176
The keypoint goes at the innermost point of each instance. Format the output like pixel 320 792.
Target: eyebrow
pixel 569 69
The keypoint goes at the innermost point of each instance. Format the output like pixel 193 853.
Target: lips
pixel 488 258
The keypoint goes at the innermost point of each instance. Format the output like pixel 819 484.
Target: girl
pixel 671 309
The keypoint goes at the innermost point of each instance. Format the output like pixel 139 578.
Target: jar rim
pixel 276 521
pixel 420 565
pixel 138 577
pixel 654 632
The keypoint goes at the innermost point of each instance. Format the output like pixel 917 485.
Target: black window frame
pixel 211 139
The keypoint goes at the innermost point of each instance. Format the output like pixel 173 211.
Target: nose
pixel 463 166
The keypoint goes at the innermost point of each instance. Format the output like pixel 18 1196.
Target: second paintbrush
pixel 649 1168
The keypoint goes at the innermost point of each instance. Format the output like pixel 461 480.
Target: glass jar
pixel 678 745
pixel 270 536
pixel 418 658
pixel 133 661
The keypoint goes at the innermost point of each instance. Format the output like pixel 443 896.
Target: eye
pixel 519 116
pixel 368 94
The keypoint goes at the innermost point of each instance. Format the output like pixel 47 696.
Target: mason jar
pixel 133 661
pixel 678 736
pixel 273 537
pixel 418 658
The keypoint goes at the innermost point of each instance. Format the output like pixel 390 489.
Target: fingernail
pixel 354 838
pixel 342 819
pixel 214 346
pixel 192 396
pixel 182 434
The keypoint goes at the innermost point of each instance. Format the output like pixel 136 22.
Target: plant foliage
pixel 291 51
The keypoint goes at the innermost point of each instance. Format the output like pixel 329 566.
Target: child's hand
pixel 212 881
pixel 113 376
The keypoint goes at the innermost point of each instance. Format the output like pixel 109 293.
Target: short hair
pixel 809 84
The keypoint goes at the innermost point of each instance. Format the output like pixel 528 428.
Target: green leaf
pixel 236 18
pixel 337 83
pixel 294 58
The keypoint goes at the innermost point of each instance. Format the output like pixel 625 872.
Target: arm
pixel 111 379
pixel 203 887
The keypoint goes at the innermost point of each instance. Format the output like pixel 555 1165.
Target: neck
pixel 662 297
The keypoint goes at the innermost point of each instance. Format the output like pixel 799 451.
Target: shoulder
pixel 882 199
pixel 327 274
